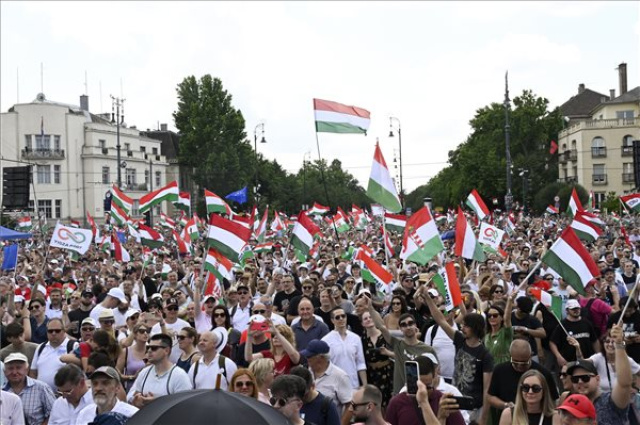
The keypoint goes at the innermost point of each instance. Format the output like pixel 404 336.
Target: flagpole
pixel 324 182
pixel 524 282
pixel 384 236
pixel 633 290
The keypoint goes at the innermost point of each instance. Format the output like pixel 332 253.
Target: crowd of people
pixel 88 339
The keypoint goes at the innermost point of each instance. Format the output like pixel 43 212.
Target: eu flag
pixel 10 257
pixel 239 196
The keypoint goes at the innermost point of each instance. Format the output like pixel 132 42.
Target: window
pixel 131 177
pixel 135 207
pixel 43 142
pixel 102 143
pixel 127 147
pixel 106 178
pixel 158 178
pixel 598 148
pixel 599 198
pixel 627 172
pixel 57 169
pixel 44 208
pixel 56 143
pixel 146 178
pixel 143 148
pixel 599 174
pixel 27 141
pixel 627 145
pixel 44 174
pixel 58 208
pixel 624 115
pixel 154 151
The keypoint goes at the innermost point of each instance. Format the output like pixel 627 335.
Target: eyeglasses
pixel 34 307
pixel 219 315
pixel 525 388
pixel 578 378
pixel 279 402
pixel 339 316
pixel 154 348
pixel 107 322
pixel 240 384
pixel 87 329
pixel 243 292
pixel 54 331
pixel 519 363
pixel 493 315
pixel 65 393
pixel 407 324
pixel 261 311
pixel 144 331
pixel 498 291
pixel 172 308
pixel 354 406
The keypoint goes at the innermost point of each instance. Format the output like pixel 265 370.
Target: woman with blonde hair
pixel 534 405
pixel 263 370
pixel 244 382
pixel 283 349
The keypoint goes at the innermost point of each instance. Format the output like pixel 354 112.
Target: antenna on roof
pixel 86 84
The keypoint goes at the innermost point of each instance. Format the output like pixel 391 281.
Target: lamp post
pixel 508 198
pixel 255 147
pixel 116 117
pixel 391 120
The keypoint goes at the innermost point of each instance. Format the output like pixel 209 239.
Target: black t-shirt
pixel 326 317
pixel 240 361
pixel 504 381
pixel 3 336
pixel 549 323
pixel 631 328
pixel 581 330
pixel 529 322
pixel 470 365
pixel 293 304
pixel 313 412
pixel 77 315
pixel 282 299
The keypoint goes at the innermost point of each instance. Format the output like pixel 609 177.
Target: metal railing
pixel 599 152
pixel 40 153
pixel 599 179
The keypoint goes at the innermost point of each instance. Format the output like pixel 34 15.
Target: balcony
pixel 29 153
pixel 599 179
pixel 573 155
pixel 628 178
pixel 572 179
pixel 563 157
pixel 137 187
pixel 130 154
pixel 599 152
pixel 105 151
pixel 592 124
pixel 627 151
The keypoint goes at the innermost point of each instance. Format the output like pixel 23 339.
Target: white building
pixel 74 157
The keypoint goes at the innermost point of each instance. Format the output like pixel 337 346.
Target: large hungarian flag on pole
pixel 120 199
pixel 184 201
pixel 168 193
pixel 467 245
pixel 553 303
pixel 261 231
pixel 216 204
pixel 421 241
pixel 318 209
pixel 118 214
pixel 571 260
pixel 120 254
pixel 150 237
pixel 227 237
pixel 447 283
pixel 372 270
pixel 632 201
pixel 587 226
pixel 574 204
pixel 220 268
pixel 395 222
pixel 475 202
pixel 381 188
pixel 334 117
pixel 303 233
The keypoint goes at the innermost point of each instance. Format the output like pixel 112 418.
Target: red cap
pixel 542 284
pixel 579 406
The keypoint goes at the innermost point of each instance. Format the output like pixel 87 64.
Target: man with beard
pixel 365 406
pixel 104 387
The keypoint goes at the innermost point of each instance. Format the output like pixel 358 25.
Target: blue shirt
pixel 312 412
pixel 316 331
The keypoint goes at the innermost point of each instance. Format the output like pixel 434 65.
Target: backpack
pixel 233 310
pixel 585 313
pixel 168 379
pixel 70 345
pixel 324 410
pixel 221 366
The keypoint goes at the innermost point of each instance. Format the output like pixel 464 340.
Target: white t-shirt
pixel 600 364
pixel 63 412
pixel 174 380
pixel 207 374
pixel 89 413
pixel 48 362
pixel 176 328
pixel 444 348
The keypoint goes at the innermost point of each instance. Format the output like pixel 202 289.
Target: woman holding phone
pixel 534 405
pixel 283 348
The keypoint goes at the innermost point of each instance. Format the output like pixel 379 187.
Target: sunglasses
pixel 155 347
pixel 54 331
pixel 278 402
pixel 181 337
pixel 339 316
pixel 219 315
pixel 407 324
pixel 396 303
pixel 498 292
pixel 261 311
pixel 578 378
pixel 34 307
pixel 243 292
pixel 172 308
pixel 356 405
pixel 307 288
pixel 65 393
pixel 525 388
pixel 87 329
pixel 107 322
pixel 240 384
pixel 143 331
pixel 563 375
pixel 493 315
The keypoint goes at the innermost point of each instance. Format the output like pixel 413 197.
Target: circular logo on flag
pixel 77 237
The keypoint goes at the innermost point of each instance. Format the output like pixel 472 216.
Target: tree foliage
pixel 480 161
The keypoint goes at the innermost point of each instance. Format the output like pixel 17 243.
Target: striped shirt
pixel 37 400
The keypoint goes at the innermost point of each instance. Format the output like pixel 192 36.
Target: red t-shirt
pixel 85 350
pixel 283 367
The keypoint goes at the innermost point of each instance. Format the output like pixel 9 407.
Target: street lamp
pixel 118 119
pixel 255 147
pixel 391 120
pixel 508 199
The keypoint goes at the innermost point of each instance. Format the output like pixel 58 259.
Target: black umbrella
pixel 211 407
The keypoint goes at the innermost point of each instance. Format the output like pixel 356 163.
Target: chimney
pixel 622 76
pixel 580 88
pixel 84 102
pixel 612 94
pixel 163 127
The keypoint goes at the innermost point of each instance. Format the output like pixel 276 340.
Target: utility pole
pixel 116 117
pixel 508 199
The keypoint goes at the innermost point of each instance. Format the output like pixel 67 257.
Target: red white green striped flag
pixel 240 219
pixel 227 237
pixel 183 242
pixel 168 193
pixel 120 199
pixel 381 188
pixel 421 241
pixel 219 268
pixel 318 209
pixel 192 229
pixel 571 260
pixel 553 303
pixel 475 202
pixel 303 233
pixel 574 204
pixel 264 247
pixel 587 226
pixel 216 204
pixel 632 201
pixel 75 223
pixel 372 271
pixel 92 223
pixel 314 251
pixel 166 221
pixel 467 245
pixel 184 201
pixel 277 224
pixel 334 117
pixel 120 254
pixel 552 210
pixel 261 231
pixel 118 214
pixel 395 222
pixel 24 223
pixel 150 237
pixel 182 220
pixel 447 283
pixel 341 221
pixel 388 246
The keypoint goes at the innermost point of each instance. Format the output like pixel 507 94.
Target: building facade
pixel 74 157
pixel 596 146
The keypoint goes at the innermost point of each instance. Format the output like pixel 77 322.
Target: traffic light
pixel 15 187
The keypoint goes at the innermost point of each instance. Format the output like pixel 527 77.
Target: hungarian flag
pixel 623 231
pixel 75 223
pixel 133 232
pixel 120 199
pixel 150 237
pixel 227 237
pixel 388 246
pixel 553 303
pixel 24 223
pixel 313 252
pixel 168 193
pixel 219 268
pixel 571 260
pixel 264 247
pixel 261 230
pixel 183 242
pixel 216 204
pixel 277 224
pixel 92 223
pixel 467 245
pixel 574 204
pixel 254 218
pixel 381 188
pixel 192 229
pixel 421 241
pixel 118 214
pixel 318 209
pixel 552 210
pixel 184 201
pixel 120 254
pixel 166 221
pixel 587 226
pixel 246 255
pixel 554 147
pixel 372 271
pixel 395 222
pixel 475 202
pixel 182 220
pixel 447 283
pixel 511 225
pixel 632 201
pixel 334 117
pixel 360 220
pixel 303 233
pixel 240 219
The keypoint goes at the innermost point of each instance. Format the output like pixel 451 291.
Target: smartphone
pixel 259 326
pixel 465 402
pixel 412 374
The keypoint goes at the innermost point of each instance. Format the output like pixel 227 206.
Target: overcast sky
pixel 430 64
